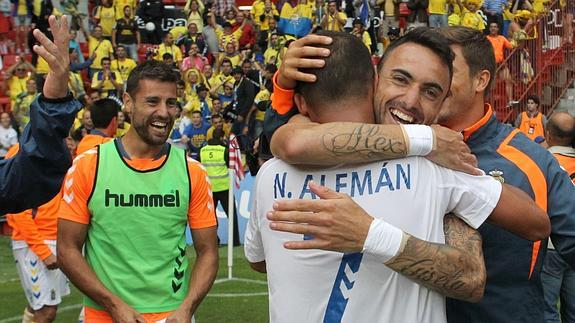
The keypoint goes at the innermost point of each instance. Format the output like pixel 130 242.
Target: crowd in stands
pixel 226 57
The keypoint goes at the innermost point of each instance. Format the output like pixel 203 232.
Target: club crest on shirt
pixel 498 175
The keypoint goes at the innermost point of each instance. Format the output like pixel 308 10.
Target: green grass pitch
pixel 243 299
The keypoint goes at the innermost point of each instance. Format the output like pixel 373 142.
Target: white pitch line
pixel 10 280
pixel 60 309
pixel 245 280
pixel 238 295
pixel 217 281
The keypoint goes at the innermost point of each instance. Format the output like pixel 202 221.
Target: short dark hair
pixel 348 72
pixel 237 70
pixel 217 116
pixel 103 111
pixel 534 98
pixel 226 60
pixel 150 70
pixel 477 50
pixel 167 56
pixel 196 112
pixel 105 59
pixel 428 38
pixel 272 68
pixel 218 134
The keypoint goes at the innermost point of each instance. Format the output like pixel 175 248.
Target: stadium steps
pixel 567 102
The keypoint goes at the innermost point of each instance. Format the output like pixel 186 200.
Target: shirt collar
pixel 467 132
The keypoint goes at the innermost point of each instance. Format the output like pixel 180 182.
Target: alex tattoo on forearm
pixel 365 140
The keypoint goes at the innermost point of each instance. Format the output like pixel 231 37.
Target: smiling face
pixel 5 120
pixel 153 110
pixel 413 83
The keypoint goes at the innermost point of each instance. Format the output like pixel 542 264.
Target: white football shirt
pixel 413 194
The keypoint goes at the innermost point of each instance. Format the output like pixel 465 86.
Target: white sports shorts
pixel 41 285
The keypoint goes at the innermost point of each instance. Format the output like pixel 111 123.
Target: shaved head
pixel 561 129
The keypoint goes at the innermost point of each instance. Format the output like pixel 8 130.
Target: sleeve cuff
pixel 282 99
pixel 42 251
pixel 69 97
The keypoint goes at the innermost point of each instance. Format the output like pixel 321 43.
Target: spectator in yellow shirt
pixel 225 35
pixel 470 16
pixel 262 12
pixel 120 5
pixel 333 19
pixel 194 9
pixel 99 45
pixel 232 54
pixel 16 77
pixel 169 47
pixel 21 110
pixel 360 33
pixel 123 125
pixel 122 64
pixel 272 53
pixel 106 17
pixel 106 81
pixel 437 13
pixel 218 123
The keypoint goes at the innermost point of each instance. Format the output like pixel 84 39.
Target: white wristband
pixel 383 240
pixel 420 139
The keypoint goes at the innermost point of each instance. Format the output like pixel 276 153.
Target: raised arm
pixel 300 142
pixel 34 175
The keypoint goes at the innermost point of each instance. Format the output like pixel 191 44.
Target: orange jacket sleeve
pixel 201 213
pixel 282 99
pixel 25 229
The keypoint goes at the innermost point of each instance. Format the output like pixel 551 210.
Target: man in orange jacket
pixel 557 277
pixel 532 122
pixel 34 248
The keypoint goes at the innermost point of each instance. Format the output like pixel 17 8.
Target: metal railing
pixel 543 64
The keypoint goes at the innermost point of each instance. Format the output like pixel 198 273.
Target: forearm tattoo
pixel 455 269
pixel 365 140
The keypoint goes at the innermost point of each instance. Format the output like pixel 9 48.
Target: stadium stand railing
pixel 543 64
